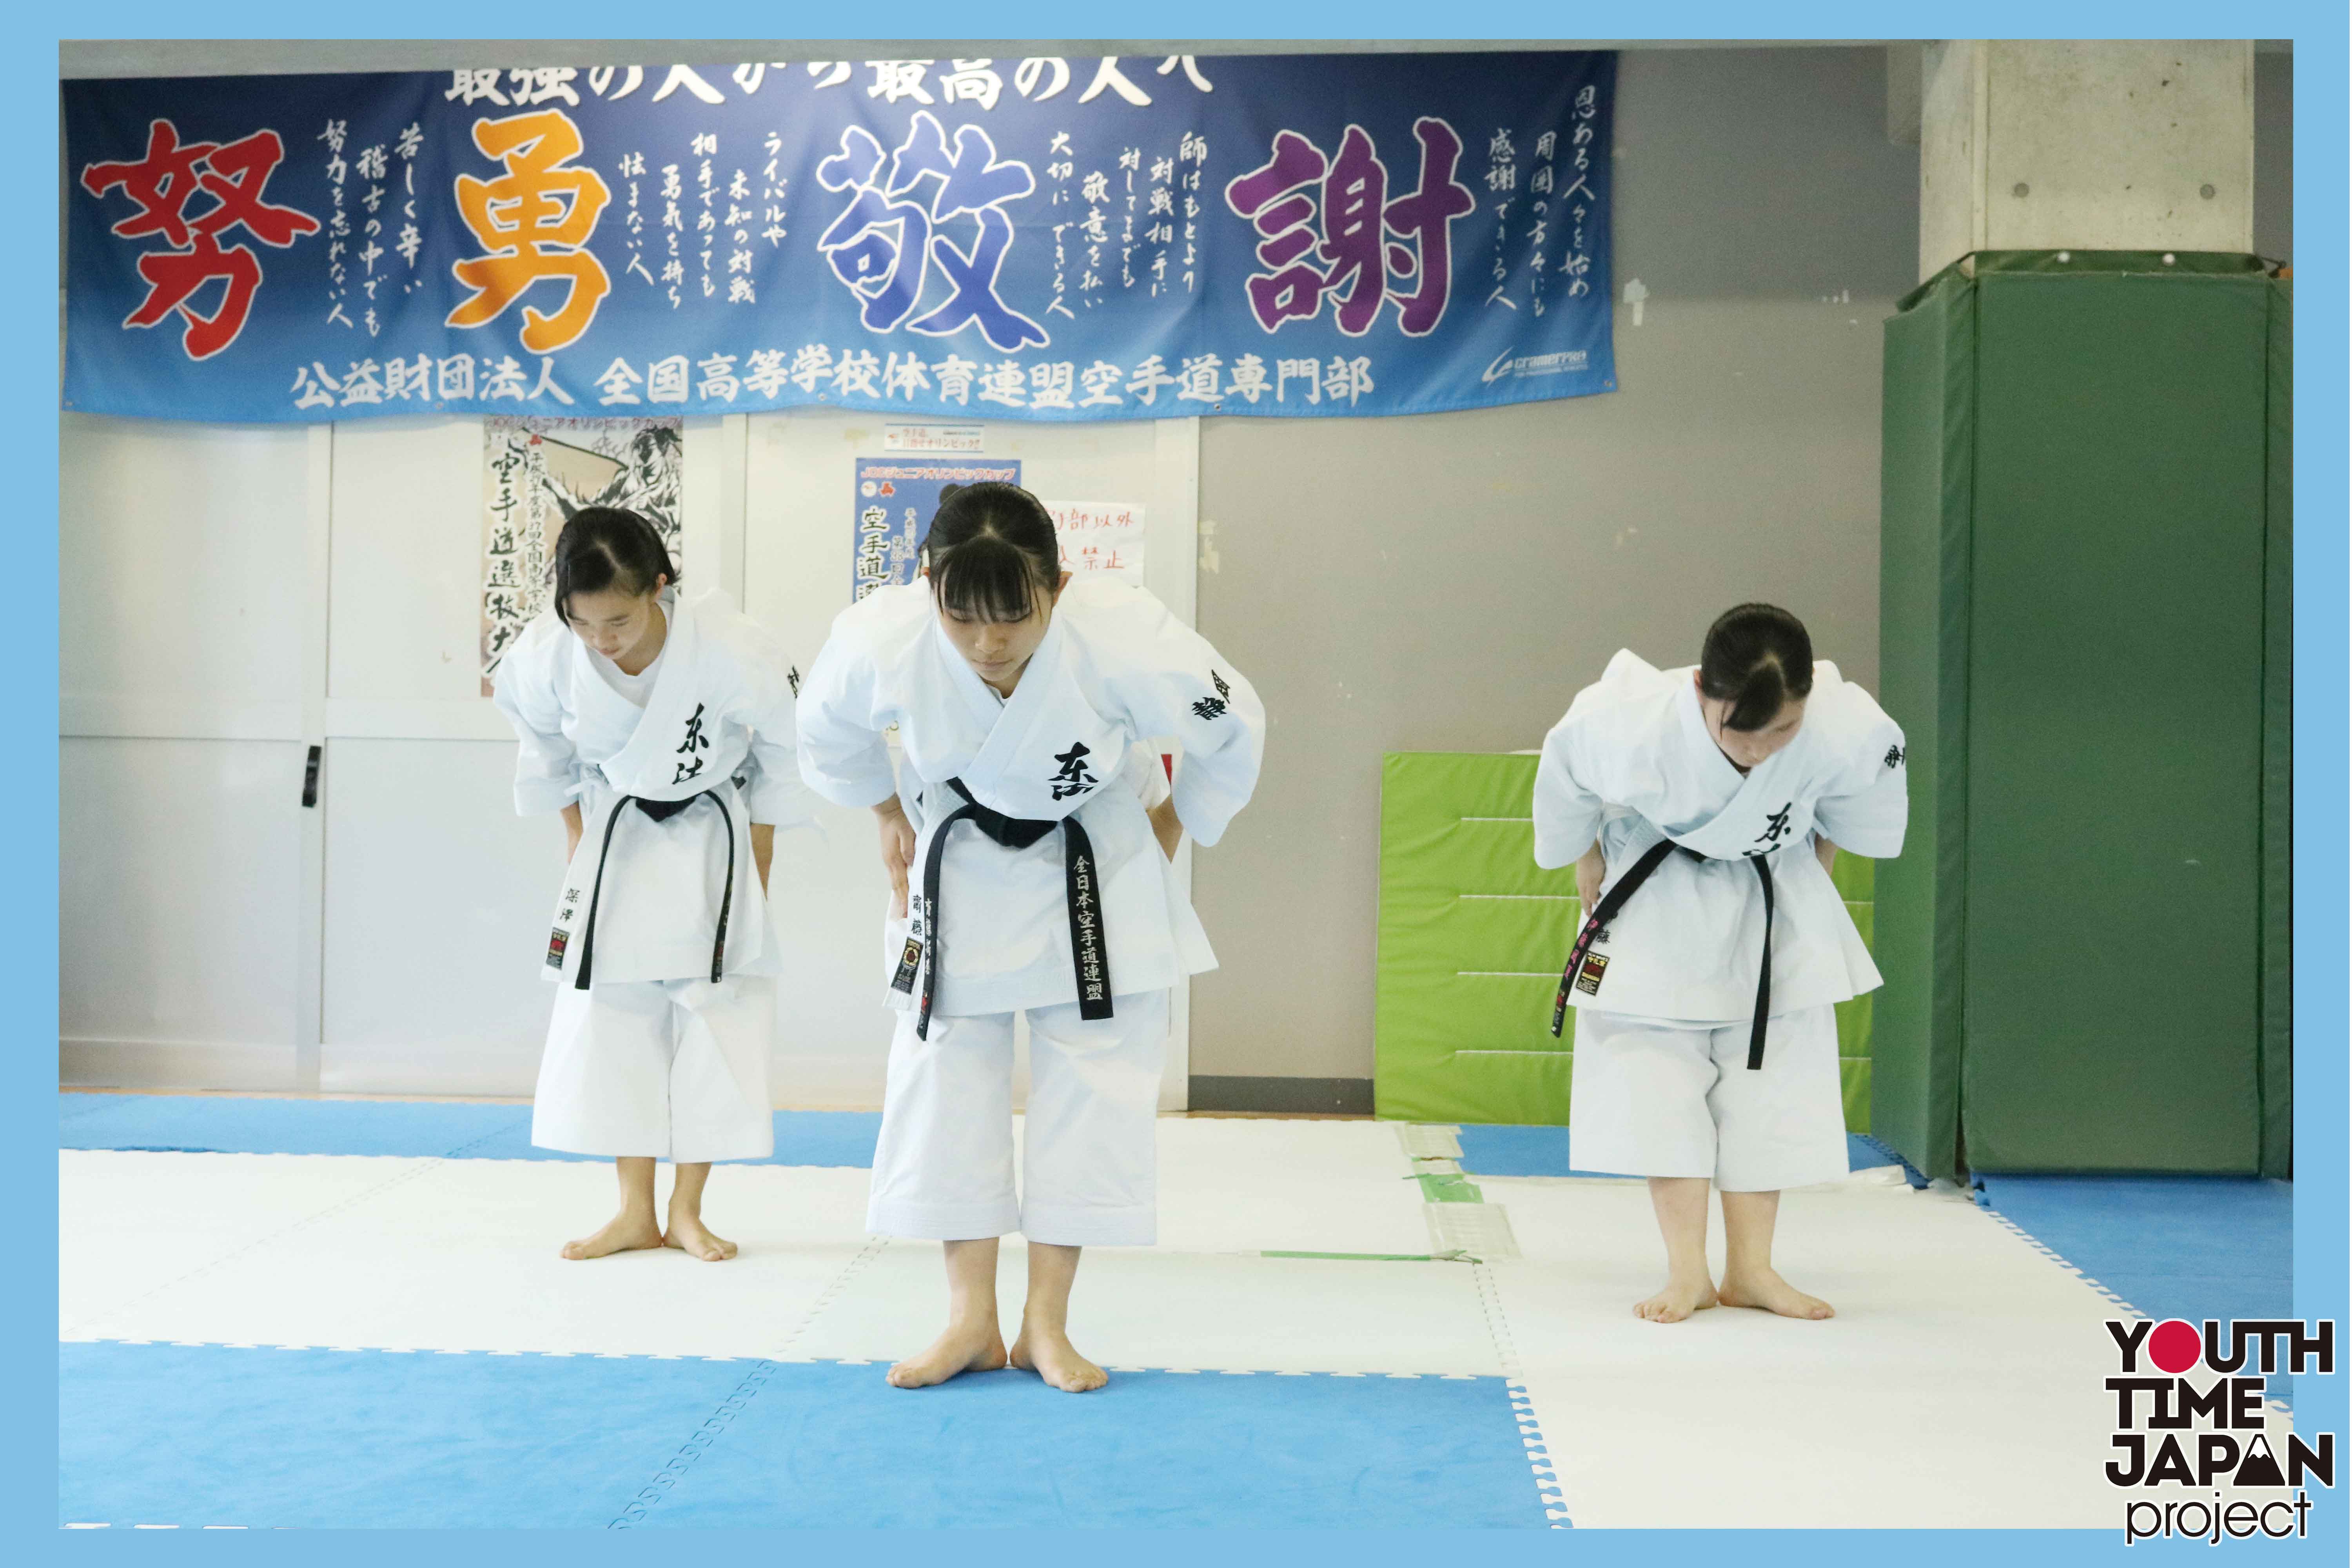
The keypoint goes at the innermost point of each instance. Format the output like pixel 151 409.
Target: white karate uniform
pixel 664 1050
pixel 1114 668
pixel 1666 996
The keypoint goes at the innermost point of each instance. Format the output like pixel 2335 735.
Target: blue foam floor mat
pixel 208 1435
pixel 1500 1150
pixel 254 1124
pixel 2192 1247
pixel 2174 1246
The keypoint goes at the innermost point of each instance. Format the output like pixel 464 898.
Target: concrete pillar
pixel 2103 145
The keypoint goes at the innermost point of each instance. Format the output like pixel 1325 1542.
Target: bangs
pixel 985 578
pixel 1760 699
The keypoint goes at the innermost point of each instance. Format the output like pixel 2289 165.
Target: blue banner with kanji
pixel 1039 238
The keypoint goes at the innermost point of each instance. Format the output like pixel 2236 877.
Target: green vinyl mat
pixel 1472 937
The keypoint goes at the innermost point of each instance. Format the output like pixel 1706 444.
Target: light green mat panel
pixel 1472 936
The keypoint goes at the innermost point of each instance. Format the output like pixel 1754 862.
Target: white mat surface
pixel 461 1255
pixel 1142 1307
pixel 1257 1184
pixel 1960 1385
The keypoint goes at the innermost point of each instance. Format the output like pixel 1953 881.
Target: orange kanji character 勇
pixel 534 220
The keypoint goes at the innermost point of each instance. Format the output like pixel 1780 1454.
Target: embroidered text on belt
pixel 1089 949
pixel 1614 899
pixel 660 811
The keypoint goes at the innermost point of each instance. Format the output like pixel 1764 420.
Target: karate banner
pixel 1039 238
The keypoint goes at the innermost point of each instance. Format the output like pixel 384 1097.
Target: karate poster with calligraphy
pixel 894 501
pixel 1038 238
pixel 536 473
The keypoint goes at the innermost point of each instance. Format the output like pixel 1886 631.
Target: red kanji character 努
pixel 161 183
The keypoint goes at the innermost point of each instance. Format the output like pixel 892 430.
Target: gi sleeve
pixel 1146 775
pixel 1867 805
pixel 1172 682
pixel 1568 813
pixel 773 788
pixel 548 771
pixel 839 724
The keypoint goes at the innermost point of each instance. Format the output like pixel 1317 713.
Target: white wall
pixel 231 596
pixel 181 583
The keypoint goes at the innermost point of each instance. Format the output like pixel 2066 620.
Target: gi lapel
pixel 1050 750
pixel 1766 812
pixel 668 757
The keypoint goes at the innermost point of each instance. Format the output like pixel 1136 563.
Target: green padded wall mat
pixel 2278 753
pixel 1926 472
pixel 1472 936
pixel 2114 735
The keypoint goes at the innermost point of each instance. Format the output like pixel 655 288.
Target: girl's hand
pixel 1167 827
pixel 1827 851
pixel 571 832
pixel 763 848
pixel 1590 872
pixel 898 851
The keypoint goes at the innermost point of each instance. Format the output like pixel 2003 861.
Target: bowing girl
pixel 1027 836
pixel 660 729
pixel 1703 808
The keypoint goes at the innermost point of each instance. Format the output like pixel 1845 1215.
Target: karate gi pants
pixel 1652 1097
pixel 943 1168
pixel 675 1070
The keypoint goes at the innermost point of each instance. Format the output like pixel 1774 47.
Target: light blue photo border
pixel 28 793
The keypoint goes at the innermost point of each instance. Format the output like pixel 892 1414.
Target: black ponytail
pixel 990 551
pixel 1757 658
pixel 608 547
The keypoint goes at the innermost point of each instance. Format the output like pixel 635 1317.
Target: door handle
pixel 310 776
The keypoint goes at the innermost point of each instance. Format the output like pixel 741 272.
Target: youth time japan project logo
pixel 2172 1433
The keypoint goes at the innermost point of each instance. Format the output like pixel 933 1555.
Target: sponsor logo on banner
pixel 1561 364
pixel 2194 1446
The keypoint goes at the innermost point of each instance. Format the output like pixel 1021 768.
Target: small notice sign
pixel 1100 536
pixel 931 437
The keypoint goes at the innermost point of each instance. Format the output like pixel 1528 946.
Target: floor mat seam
pixel 717 1424
pixel 1532 1436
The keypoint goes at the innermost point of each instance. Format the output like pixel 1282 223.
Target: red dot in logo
pixel 2174 1347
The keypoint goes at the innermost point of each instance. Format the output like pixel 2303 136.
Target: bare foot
pixel 1049 1354
pixel 1678 1300
pixel 1765 1289
pixel 628 1232
pixel 691 1237
pixel 965 1347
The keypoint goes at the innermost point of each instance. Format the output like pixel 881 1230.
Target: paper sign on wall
pixel 536 473
pixel 932 437
pixel 1100 536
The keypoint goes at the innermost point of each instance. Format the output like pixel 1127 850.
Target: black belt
pixel 660 811
pixel 1606 910
pixel 1089 951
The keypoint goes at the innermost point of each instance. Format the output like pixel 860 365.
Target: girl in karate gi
pixel 1027 837
pixel 660 727
pixel 1703 808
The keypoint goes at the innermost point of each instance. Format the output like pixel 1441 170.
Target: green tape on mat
pixel 1371 1256
pixel 1449 1189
